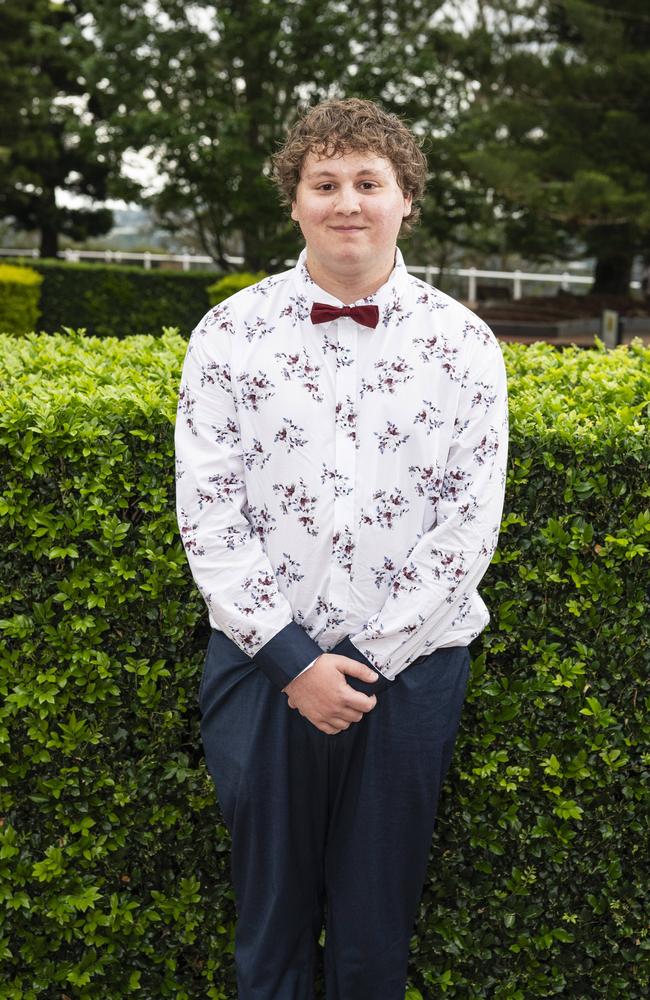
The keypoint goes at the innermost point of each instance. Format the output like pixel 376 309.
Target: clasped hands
pixel 323 696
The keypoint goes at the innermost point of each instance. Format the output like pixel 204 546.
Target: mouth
pixel 348 229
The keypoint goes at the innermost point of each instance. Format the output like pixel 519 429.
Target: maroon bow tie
pixel 366 315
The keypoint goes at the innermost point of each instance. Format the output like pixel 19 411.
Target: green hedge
pixel 231 283
pixel 113 860
pixel 19 295
pixel 113 300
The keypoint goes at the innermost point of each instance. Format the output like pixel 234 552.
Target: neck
pixel 347 286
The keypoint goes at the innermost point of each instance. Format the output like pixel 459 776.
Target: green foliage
pixel 560 129
pixel 24 276
pixel 19 296
pixel 240 73
pixel 535 117
pixel 113 862
pixel 231 283
pixel 113 871
pixel 54 126
pixel 112 300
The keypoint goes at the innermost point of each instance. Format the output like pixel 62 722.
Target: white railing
pixel 516 278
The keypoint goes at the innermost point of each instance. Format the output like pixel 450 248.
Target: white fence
pixel 515 279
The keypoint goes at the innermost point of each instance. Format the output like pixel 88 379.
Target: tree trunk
pixel 613 274
pixel 49 242
pixel 614 252
pixel 443 256
pixel 49 224
pixel 253 259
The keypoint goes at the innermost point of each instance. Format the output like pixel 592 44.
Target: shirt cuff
pixel 305 669
pixel 347 648
pixel 286 655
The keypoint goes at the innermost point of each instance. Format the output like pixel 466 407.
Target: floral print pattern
pixel 348 479
pixel 300 368
pixel 290 435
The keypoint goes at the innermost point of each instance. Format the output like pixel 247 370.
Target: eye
pixel 327 186
pixel 368 185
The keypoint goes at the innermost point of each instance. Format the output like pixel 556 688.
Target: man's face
pixel 350 209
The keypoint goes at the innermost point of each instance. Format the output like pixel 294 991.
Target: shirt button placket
pixel 345 455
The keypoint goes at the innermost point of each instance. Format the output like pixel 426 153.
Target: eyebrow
pixel 313 174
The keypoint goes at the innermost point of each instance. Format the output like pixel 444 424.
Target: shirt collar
pixel 391 290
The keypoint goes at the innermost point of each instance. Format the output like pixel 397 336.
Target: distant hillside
pixel 134 228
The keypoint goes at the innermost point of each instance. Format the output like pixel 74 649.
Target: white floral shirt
pixel 338 481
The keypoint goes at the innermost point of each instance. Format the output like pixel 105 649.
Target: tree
pixel 560 128
pixel 422 61
pixel 213 87
pixel 52 138
pixel 209 90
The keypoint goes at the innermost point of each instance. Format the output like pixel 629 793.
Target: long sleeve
pixel 337 482
pixel 434 591
pixel 224 551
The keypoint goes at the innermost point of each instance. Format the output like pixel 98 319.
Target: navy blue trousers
pixel 327 827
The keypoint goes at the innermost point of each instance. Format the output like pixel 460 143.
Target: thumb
pixel 356 669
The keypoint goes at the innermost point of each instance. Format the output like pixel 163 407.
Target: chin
pixel 352 252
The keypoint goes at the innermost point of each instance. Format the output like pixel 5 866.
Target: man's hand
pixel 323 695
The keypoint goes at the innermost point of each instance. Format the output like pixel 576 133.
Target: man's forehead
pixel 353 161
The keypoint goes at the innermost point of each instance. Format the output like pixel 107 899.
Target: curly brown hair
pixel 336 127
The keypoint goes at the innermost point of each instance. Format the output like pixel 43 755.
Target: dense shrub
pixel 113 300
pixel 231 283
pixel 19 295
pixel 113 860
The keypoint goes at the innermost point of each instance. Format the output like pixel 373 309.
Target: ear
pixel 408 203
pixel 294 211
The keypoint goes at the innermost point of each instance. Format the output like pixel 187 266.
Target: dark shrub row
pixel 111 300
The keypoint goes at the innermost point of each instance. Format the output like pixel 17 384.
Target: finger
pixel 347 715
pixel 326 728
pixel 358 701
pixel 355 669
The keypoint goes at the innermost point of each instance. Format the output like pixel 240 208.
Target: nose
pixel 347 201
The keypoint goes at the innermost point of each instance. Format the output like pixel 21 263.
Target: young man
pixel 341 449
